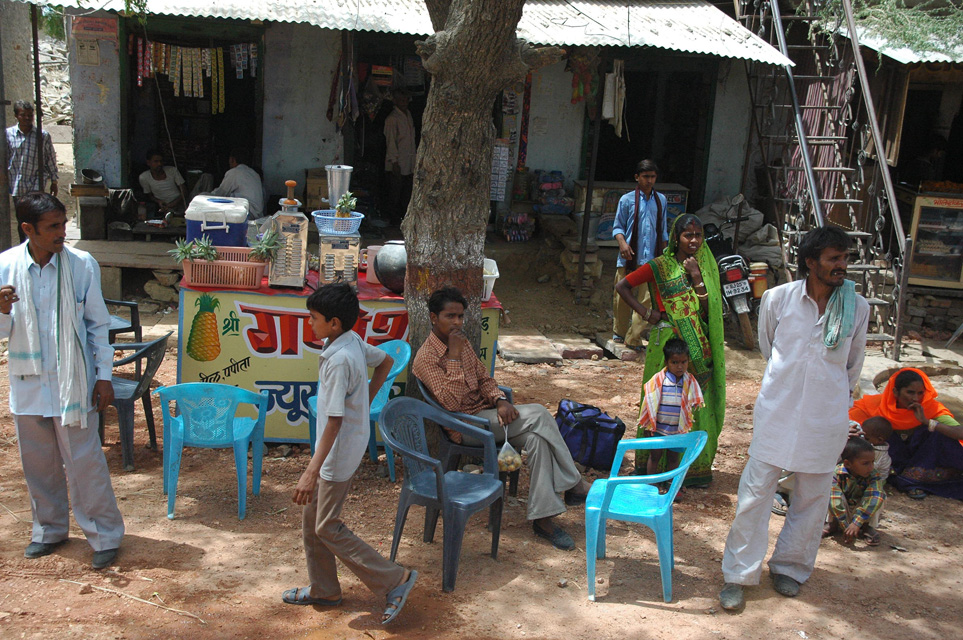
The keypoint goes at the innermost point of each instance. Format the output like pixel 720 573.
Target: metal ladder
pixel 814 132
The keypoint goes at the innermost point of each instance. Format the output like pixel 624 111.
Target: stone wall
pixel 938 309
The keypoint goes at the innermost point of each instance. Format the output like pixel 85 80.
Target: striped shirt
pixel 22 161
pixel 855 499
pixel 670 408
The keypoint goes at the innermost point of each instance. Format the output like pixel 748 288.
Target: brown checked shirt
pixel 458 385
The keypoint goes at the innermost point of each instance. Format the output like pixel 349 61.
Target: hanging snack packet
pixel 508 459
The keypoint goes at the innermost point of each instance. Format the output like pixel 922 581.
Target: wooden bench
pixel 115 256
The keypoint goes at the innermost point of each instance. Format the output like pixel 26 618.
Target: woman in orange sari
pixel 926 445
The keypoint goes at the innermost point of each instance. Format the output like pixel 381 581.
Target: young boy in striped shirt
pixel 668 400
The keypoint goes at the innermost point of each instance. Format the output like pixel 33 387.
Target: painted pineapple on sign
pixel 203 343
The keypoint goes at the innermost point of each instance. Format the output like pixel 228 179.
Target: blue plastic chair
pixel 453 494
pixel 206 418
pixel 400 352
pixel 636 499
pixel 451 452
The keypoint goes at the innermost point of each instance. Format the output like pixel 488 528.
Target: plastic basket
pixel 231 270
pixel 329 224
pixel 489 280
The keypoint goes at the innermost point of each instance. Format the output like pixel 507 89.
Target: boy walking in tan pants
pixel 344 397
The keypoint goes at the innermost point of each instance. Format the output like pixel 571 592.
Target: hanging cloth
pixel 613 102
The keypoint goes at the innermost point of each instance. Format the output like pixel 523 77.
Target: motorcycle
pixel 737 294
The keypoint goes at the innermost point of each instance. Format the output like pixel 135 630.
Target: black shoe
pixel 102 559
pixel 731 597
pixel 557 536
pixel 573 499
pixel 40 549
pixel 785 585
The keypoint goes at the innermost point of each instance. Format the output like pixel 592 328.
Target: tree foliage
pixel 930 26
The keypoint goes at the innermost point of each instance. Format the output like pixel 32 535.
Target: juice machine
pixel 339 258
pixel 291 264
pixel 339 253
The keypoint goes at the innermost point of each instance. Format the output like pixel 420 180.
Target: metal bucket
pixel 339 180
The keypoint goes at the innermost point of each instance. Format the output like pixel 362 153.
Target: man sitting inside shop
pixel 241 181
pixel 448 366
pixel 163 184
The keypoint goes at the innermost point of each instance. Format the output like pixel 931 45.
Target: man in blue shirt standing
pixel 640 237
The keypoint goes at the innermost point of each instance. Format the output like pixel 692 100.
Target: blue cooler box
pixel 223 220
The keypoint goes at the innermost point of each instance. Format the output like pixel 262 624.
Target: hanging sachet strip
pixel 221 104
pixel 140 62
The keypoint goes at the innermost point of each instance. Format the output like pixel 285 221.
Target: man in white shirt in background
pixel 164 185
pixel 241 181
pixel 400 155
pixel 812 332
pixel 53 312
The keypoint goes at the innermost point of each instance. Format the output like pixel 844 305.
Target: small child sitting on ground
pixel 857 493
pixel 877 431
pixel 668 400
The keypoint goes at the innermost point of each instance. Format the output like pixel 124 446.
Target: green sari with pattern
pixel 705 337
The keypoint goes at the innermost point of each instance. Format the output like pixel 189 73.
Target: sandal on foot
pixel 301 595
pixel 916 494
pixel 870 536
pixel 399 594
pixel 557 536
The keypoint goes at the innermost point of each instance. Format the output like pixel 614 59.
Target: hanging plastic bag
pixel 508 459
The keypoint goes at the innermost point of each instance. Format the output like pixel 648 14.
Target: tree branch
pixel 438 12
pixel 526 58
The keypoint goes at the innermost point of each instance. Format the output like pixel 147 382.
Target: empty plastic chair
pixel 400 352
pixel 453 494
pixel 128 392
pixel 206 418
pixel 637 499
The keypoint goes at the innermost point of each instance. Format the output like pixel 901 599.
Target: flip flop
pixel 870 537
pixel 392 609
pixel 916 494
pixel 299 595
pixel 557 536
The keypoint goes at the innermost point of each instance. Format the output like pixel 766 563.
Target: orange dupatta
pixel 884 404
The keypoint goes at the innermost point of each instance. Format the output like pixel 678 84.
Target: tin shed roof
pixel 692 26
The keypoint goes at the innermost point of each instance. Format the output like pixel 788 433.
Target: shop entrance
pixel 669 102
pixel 194 94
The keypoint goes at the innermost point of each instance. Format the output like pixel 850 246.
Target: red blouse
pixel 644 275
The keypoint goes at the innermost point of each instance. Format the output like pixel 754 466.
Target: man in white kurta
pixel 800 418
pixel 399 155
pixel 56 416
pixel 241 181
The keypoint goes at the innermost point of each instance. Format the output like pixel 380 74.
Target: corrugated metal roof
pixel 905 55
pixel 693 26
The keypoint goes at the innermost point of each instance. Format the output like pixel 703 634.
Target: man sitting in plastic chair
pixel 448 366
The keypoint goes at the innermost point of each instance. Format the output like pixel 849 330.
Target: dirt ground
pixel 226 576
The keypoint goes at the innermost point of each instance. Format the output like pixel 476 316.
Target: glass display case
pixel 937 232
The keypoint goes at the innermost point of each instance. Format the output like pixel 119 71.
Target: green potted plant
pixel 266 247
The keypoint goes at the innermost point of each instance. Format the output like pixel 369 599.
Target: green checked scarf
pixel 705 337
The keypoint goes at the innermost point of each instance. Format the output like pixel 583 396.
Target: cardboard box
pixel 315 188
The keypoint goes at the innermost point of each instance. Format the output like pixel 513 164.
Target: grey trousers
pixel 326 537
pixel 550 463
pixel 798 542
pixel 53 455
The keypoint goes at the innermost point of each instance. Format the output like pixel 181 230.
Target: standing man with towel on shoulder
pixel 52 310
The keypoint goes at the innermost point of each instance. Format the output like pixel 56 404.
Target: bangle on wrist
pixel 932 424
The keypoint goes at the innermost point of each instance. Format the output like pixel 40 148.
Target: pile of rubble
pixel 55 82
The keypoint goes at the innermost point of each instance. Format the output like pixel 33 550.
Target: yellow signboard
pixel 257 341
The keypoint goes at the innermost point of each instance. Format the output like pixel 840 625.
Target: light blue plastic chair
pixel 452 494
pixel 206 418
pixel 400 352
pixel 637 499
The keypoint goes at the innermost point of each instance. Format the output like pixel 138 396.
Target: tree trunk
pixel 471 57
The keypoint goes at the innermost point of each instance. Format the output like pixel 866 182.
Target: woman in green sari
pixel 687 303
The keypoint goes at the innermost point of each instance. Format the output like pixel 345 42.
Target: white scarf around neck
pixel 24 347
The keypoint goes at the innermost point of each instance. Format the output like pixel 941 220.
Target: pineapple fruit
pixel 203 343
pixel 346 204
